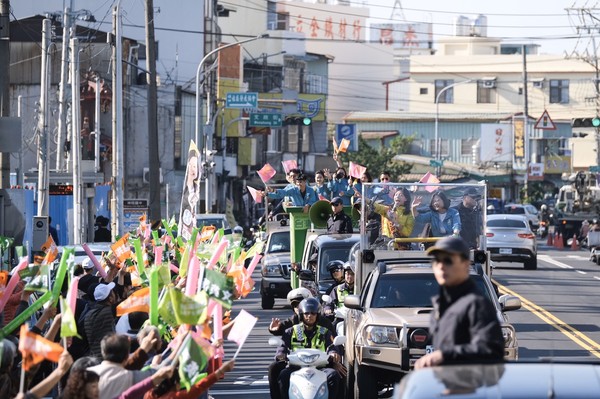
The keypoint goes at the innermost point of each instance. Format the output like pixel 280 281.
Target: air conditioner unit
pixel 146 175
pixel 538 84
pixel 489 84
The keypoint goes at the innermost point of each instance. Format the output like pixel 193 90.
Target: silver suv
pixel 387 327
pixel 527 210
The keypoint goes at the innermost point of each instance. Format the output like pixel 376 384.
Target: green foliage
pixel 378 160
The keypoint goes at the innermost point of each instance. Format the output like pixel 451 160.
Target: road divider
pixel 570 332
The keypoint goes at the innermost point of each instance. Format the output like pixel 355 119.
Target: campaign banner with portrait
pixel 191 194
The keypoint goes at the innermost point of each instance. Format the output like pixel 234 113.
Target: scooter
pixel 309 382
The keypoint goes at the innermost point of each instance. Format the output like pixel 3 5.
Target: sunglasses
pixel 384 178
pixel 445 260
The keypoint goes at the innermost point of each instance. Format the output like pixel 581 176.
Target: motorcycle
pixel 309 382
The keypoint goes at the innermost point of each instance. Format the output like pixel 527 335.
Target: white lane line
pixel 597 278
pixel 580 272
pixel 548 259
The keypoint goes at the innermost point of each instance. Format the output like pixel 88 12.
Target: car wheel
pixel 531 264
pixel 365 386
pixel 597 259
pixel 267 302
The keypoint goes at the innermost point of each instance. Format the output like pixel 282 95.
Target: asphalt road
pixel 560 318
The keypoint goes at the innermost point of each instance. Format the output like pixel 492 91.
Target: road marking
pixel 580 272
pixel 548 259
pixel 597 278
pixel 570 332
pixel 578 257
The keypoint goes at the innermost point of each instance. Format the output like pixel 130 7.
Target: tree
pixel 378 160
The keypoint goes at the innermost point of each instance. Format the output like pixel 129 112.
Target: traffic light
pixel 297 120
pixel 586 122
pixel 306 121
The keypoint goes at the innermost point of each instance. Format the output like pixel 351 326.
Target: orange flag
pixel 139 301
pixel 335 146
pixel 122 249
pixel 36 348
pixel 51 250
pixel 207 233
pixel 344 145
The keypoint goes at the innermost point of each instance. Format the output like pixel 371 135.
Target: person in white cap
pixel 100 320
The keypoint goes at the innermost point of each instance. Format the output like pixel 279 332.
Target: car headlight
pixel 308 359
pixel 271 270
pixel 508 335
pixel 381 335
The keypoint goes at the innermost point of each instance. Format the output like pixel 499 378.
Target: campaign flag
pixel 335 146
pixel 244 323
pixel 192 363
pixel 266 173
pixel 356 170
pixel 36 348
pixel 242 281
pixel 51 250
pixel 256 196
pixel 139 301
pixel 191 194
pixel 68 325
pixel 344 144
pixel 188 309
pixel 207 233
pixel 41 281
pixel 30 271
pixel 121 248
pixel 219 287
pixel 430 178
pixel 165 308
pixel 289 165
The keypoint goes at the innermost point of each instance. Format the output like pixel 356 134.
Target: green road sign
pixel 265 120
pixel 595 169
pixel 436 164
pixel 241 100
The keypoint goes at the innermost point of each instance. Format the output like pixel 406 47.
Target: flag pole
pixel 22 382
pixel 238 351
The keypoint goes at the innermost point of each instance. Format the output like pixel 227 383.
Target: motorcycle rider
pixel 308 334
pixel 336 269
pixel 294 297
pixel 342 290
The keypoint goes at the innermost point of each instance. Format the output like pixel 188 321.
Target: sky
pixel 545 22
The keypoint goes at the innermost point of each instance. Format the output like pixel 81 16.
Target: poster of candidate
pixel 190 196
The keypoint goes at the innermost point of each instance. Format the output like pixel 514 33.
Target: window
pixel 466 146
pixel 559 91
pixel 444 144
pixel 448 96
pixel 486 91
pixel 423 90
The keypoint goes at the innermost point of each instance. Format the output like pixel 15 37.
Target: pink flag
pixel 289 165
pixel 255 194
pixel 430 178
pixel 356 170
pixel 266 173
pixel 244 323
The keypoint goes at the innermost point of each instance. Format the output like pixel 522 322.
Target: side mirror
pixel 509 302
pixel 352 302
pixel 339 340
pixel 275 341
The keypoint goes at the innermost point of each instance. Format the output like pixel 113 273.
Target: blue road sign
pixel 347 132
pixel 241 100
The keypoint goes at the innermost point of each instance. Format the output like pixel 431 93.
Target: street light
pixel 438 147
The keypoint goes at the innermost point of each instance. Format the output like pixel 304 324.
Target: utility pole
pixel 4 84
pixel 117 127
pixel 43 175
pixel 153 158
pixel 526 122
pixel 78 219
pixel 62 92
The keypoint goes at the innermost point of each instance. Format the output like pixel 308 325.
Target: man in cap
pixel 470 216
pixel 463 323
pixel 99 321
pixel 338 222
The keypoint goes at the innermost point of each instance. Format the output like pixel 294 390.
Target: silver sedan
pixel 510 239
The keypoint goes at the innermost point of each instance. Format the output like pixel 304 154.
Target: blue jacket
pixel 323 191
pixel 296 197
pixel 341 186
pixel 439 228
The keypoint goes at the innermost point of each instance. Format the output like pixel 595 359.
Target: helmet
pixel 335 265
pixel 238 230
pixel 543 207
pixel 309 305
pixel 491 208
pixel 298 295
pixel 306 274
pixel 349 267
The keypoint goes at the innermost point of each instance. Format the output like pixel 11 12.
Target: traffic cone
pixel 550 240
pixel 574 245
pixel 560 244
pixel 555 240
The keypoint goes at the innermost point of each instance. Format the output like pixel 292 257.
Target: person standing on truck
pixel 470 217
pixel 299 195
pixel 444 220
pixel 463 323
pixel 338 222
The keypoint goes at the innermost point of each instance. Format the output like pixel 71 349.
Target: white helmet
pixel 543 207
pixel 298 294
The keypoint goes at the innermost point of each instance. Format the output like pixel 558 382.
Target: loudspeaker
pixel 319 213
pixel 40 232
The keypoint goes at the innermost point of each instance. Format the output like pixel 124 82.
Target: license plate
pixel 429 349
pixel 505 251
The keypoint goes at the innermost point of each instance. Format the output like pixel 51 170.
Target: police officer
pixel 463 322
pixel 308 334
pixel 336 269
pixel 342 290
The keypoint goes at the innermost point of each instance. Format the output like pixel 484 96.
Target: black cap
pixel 451 245
pixel 472 192
pixel 336 201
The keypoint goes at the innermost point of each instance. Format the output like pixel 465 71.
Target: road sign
pixel 241 100
pixel 595 169
pixel 265 120
pixel 347 132
pixel 545 122
pixel 436 164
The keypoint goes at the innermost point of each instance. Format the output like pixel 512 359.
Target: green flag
pixel 192 363
pixel 40 282
pixel 165 309
pixel 68 325
pixel 31 271
pixel 188 310
pixel 219 287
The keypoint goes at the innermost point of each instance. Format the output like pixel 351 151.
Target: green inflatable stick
pixel 23 317
pixel 60 274
pixel 153 314
pixel 137 244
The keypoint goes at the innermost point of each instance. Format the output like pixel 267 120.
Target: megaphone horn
pixel 319 213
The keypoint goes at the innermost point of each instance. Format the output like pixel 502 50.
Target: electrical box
pixel 40 232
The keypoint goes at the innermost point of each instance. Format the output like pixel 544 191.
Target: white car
pixel 527 210
pixel 98 249
pixel 510 239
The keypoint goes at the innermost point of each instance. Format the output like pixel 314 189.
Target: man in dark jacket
pixel 338 222
pixel 464 324
pixel 470 217
pixel 100 319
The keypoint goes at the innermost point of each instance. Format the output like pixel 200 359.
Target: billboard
pixel 496 142
pixel 402 35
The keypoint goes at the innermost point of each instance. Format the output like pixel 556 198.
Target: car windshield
pixel 411 290
pixel 330 254
pixel 279 242
pixel 218 223
pixel 507 223
pixel 514 210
